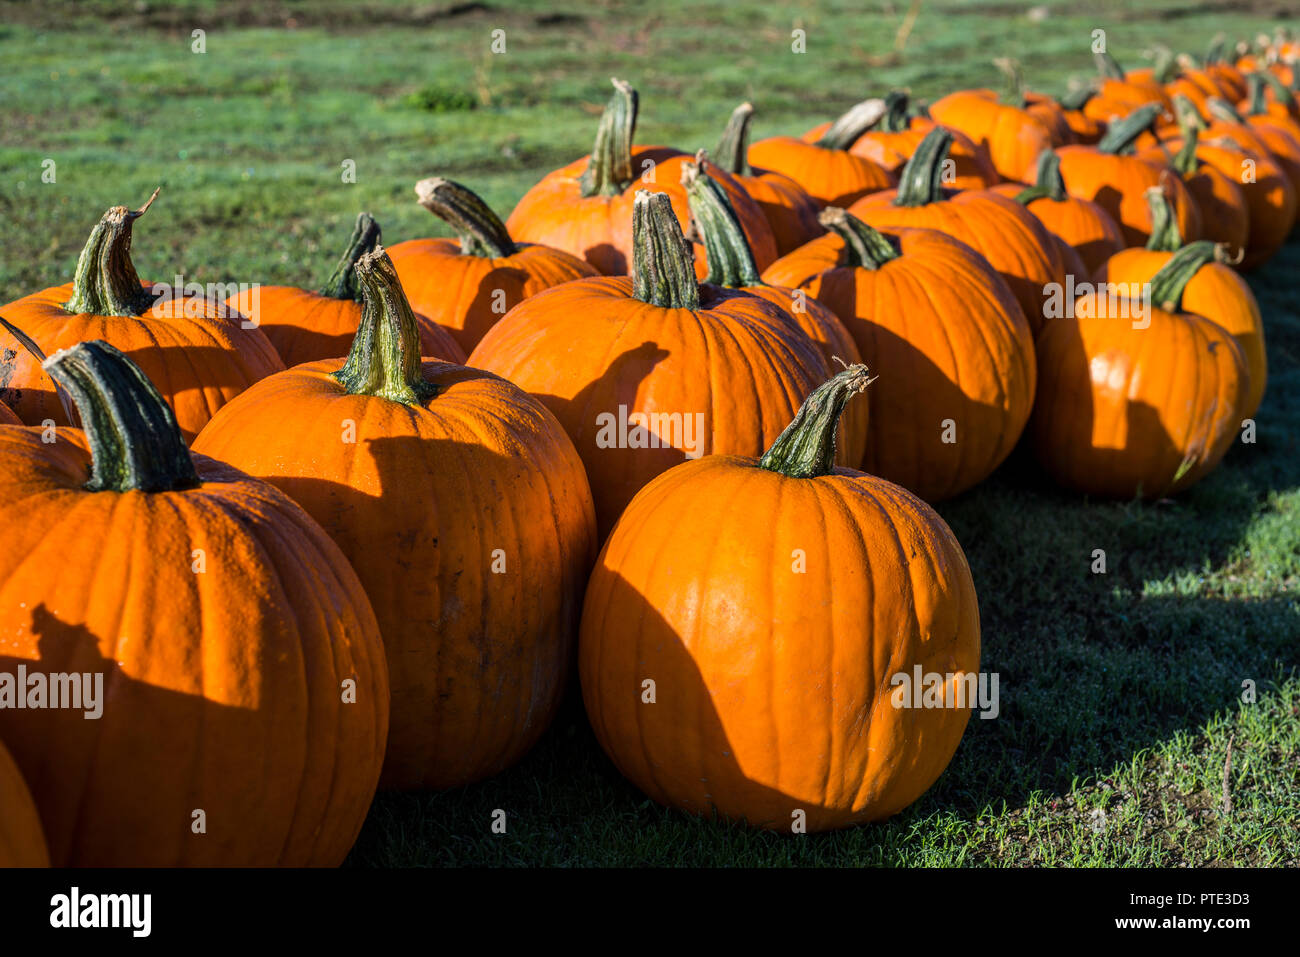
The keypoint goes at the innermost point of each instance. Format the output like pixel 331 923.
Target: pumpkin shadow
pixel 481 314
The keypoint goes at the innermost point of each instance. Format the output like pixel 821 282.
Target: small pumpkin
pixel 305 326
pixel 784 690
pixel 22 842
pixel 200 354
pixel 467 284
pixel 240 661
pixel 1119 94
pixel 466 513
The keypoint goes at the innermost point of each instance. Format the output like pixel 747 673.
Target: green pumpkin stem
pixel 1221 109
pixel 663 267
pixel 1107 66
pixel 135 444
pixel 609 171
pixel 1187 113
pixel 849 127
pixel 1048 182
pixel 1280 90
pixel 733 149
pixel 731 262
pixel 898 117
pixel 1121 135
pixel 1165 236
pixel 1185 161
pixel 1256 85
pixel 1015 78
pixel 1218 47
pixel 384 359
pixel 806 449
pixel 1168 284
pixel 342 283
pixel 480 231
pixel 921 182
pixel 1077 97
pixel 1165 68
pixel 864 247
pixel 106 283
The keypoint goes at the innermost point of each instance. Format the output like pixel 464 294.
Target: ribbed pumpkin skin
pixel 223 688
pixel 946 339
pixel 7 416
pixel 457 292
pixel 1080 223
pixel 22 842
pixel 1219 294
pixel 1118 184
pixel 306 326
pixel 1014 138
pixel 832 177
pixel 1225 217
pixel 972 168
pixel 1001 230
pixel 418 503
pixel 599 228
pixel 773 687
pixel 1120 409
pixel 586 348
pixel 198 363
pixel 790 211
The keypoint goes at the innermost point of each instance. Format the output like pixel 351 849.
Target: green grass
pixel 1119 692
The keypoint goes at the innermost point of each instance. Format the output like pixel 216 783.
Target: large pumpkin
pixel 198 353
pixel 467 284
pixel 1004 232
pixel 22 841
pixel 466 513
pixel 305 326
pixel 749 626
pixel 586 207
pixel 952 350
pixel 244 698
pixel 646 372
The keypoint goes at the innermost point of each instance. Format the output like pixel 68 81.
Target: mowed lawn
pixel 1120 693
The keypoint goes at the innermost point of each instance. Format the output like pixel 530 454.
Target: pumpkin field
pixel 968 336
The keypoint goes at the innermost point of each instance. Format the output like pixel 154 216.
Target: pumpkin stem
pixel 897 118
pixel 921 181
pixel 342 283
pixel 106 283
pixel 135 444
pixel 1187 113
pixel 806 449
pixel 1048 182
pixel 1121 135
pixel 384 359
pixel 733 149
pixel 481 233
pixel 848 129
pixel 1168 284
pixel 1256 85
pixel 864 247
pixel 1107 65
pixel 1077 97
pixel 1186 162
pixel 1280 90
pixel 1218 47
pixel 1221 109
pixel 663 268
pixel 731 262
pixel 1165 236
pixel 1165 68
pixel 609 171
pixel 1015 78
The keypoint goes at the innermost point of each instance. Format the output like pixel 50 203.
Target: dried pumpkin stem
pixel 1015 77
pixel 1121 135
pixel 921 182
pixel 731 262
pixel 850 126
pixel 864 247
pixel 1048 182
pixel 135 444
pixel 342 283
pixel 1165 236
pixel 663 267
pixel 806 449
pixel 106 283
pixel 480 230
pixel 384 359
pixel 609 171
pixel 733 148
pixel 1168 284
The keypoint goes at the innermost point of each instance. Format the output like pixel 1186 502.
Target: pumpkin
pixel 1109 176
pixel 644 372
pixel 1080 224
pixel 198 353
pixel 825 168
pixel 242 670
pixel 1212 289
pixel 1085 129
pixel 731 266
pixel 467 284
pixel 22 842
pixel 1225 216
pixel 1119 94
pixel 1263 134
pixel 1004 232
pixel 778 698
pixel 1270 99
pixel 305 326
pixel 7 416
pixel 1135 398
pixel 955 354
pixel 586 207
pixel 466 513
pixel 790 211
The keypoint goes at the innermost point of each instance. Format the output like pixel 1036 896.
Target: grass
pixel 1120 692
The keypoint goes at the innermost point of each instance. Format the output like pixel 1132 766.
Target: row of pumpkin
pixel 371 569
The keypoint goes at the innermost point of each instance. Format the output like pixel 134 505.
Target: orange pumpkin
pixel 466 513
pixel 199 353
pixel 22 842
pixel 305 326
pixel 7 416
pixel 1085 129
pixel 586 207
pixel 239 665
pixel 648 371
pixel 779 695
pixel 1262 134
pixel 956 357
pixel 1119 94
pixel 465 285
pixel 1225 216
